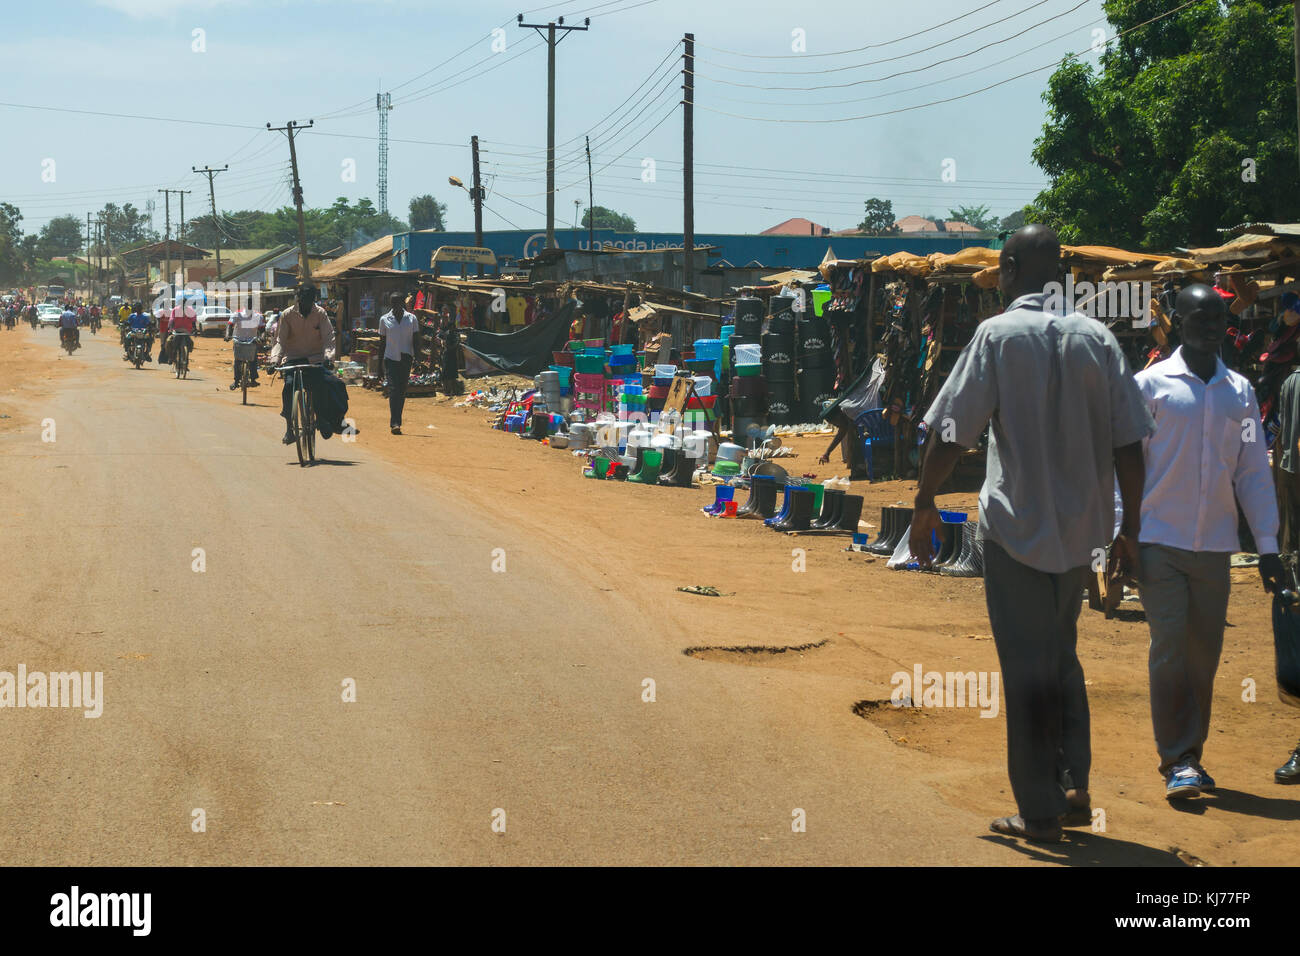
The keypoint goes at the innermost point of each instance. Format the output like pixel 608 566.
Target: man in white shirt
pixel 399 339
pixel 1207 454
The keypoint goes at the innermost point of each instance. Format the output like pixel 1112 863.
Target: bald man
pixel 1065 421
pixel 1206 454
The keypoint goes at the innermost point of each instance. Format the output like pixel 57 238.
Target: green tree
pixel 1188 127
pixel 1012 221
pixel 427 213
pixel 61 236
pixel 878 217
pixel 978 216
pixel 126 226
pixel 12 258
pixel 608 219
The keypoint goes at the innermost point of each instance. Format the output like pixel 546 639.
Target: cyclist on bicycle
pixel 246 326
pixel 305 335
pixel 181 323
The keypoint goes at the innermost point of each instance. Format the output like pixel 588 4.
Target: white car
pixel 212 318
pixel 47 314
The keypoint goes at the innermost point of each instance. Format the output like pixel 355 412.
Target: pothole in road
pixel 751 651
pixel 902 725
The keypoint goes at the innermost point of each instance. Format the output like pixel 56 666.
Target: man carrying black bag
pixel 306 334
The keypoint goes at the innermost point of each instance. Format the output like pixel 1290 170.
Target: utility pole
pixel 477 195
pixel 1296 40
pixel 167 247
pixel 304 270
pixel 182 236
pixel 688 164
pixel 551 42
pixel 212 194
pixel 591 208
pixel 90 281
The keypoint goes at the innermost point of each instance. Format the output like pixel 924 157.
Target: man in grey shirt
pixel 1066 419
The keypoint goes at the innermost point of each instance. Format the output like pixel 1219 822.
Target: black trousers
pixel 1034 616
pixel 329 398
pixel 399 373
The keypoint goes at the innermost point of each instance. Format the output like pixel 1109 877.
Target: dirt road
pixel 485 695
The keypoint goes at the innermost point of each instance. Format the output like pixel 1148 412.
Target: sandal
pixel 1017 826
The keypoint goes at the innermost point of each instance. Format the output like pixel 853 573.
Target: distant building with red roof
pixel 797 227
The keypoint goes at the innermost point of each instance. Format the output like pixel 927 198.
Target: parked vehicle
pixel 212 318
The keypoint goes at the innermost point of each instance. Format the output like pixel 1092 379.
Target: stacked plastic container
pixel 710 350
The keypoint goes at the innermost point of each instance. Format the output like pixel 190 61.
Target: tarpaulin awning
pixel 973 257
pixel 527 351
pixel 908 262
pixel 1165 269
pixel 791 275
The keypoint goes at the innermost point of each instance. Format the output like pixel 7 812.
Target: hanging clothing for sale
pixel 516 307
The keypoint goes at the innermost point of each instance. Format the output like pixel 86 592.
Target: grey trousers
pixel 1185 595
pixel 1034 616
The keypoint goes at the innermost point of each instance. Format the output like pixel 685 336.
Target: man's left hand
pixel 1271 573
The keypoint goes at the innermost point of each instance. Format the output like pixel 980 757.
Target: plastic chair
pixel 874 431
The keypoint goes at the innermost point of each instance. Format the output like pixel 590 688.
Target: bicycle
pixel 180 355
pixel 246 356
pixel 302 413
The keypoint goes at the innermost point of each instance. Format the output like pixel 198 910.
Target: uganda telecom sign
pixel 537 242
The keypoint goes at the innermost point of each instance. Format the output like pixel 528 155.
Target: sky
pixel 788 105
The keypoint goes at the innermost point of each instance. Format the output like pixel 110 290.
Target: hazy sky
pixel 259 61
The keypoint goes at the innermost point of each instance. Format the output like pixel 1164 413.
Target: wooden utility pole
pixel 212 195
pixel 167 246
pixel 1296 41
pixel 688 163
pixel 591 208
pixel 304 268
pixel 90 280
pixel 551 42
pixel 182 237
pixel 477 195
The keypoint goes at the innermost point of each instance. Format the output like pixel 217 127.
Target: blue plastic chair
pixel 874 432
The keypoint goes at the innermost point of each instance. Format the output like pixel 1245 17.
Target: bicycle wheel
pixel 300 423
pixel 311 427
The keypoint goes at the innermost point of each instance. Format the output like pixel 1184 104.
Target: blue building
pixel 413 250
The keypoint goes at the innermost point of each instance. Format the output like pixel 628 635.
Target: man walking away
pixel 399 338
pixel 1066 420
pixel 1207 454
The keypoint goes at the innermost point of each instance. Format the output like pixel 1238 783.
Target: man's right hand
pixel 1124 561
pixel 925 522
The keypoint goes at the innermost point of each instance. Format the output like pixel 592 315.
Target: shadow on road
pixel 1082 848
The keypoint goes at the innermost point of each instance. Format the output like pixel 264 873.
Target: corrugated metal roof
pixel 1289 229
pixel 371 255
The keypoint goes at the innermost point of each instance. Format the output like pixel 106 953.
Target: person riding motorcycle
pixel 68 329
pixel 139 321
pixel 245 326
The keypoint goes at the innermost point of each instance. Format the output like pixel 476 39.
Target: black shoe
pixel 289 437
pixel 1289 772
pixel 234 386
pixel 396 429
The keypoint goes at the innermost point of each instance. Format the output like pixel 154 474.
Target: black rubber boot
pixel 949 543
pixel 682 470
pixel 831 501
pixel 887 518
pixel 850 513
pixel 902 529
pixel 801 504
pixel 970 561
pixel 768 492
pixel 751 503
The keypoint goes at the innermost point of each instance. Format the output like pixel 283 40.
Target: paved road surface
pixel 476 690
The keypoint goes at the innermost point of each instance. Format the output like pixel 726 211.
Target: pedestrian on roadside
pixel 1206 455
pixel 1066 420
pixel 399 341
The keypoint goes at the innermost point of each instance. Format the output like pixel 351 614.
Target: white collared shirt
pixel 399 335
pixel 1208 446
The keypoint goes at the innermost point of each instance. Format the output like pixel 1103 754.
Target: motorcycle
pixel 68 340
pixel 137 347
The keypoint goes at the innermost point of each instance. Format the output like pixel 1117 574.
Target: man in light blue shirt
pixel 1207 454
pixel 399 340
